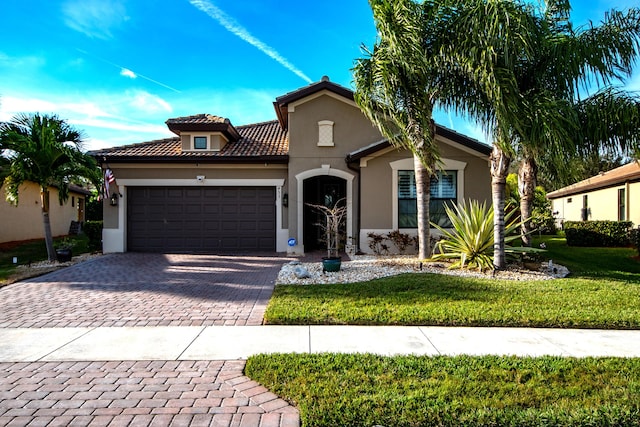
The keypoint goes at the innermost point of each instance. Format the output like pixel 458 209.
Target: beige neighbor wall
pixel 379 198
pixel 602 205
pixel 24 222
pixel 351 131
pixel 169 174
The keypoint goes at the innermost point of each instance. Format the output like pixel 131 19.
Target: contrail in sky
pixel 235 28
pixel 127 72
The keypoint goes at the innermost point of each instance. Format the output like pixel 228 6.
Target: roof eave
pixel 200 159
pixel 592 187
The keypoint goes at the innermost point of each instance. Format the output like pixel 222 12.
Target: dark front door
pixel 319 190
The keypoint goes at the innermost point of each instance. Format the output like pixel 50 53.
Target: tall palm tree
pixel 46 150
pixel 553 121
pixel 458 55
pixel 395 93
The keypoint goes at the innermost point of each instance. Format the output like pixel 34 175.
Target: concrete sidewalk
pixel 240 342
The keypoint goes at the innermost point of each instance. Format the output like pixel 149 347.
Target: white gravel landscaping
pixel 366 267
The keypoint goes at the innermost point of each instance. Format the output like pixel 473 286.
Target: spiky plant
pixel 471 239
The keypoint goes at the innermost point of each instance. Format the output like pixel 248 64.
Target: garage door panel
pixel 205 219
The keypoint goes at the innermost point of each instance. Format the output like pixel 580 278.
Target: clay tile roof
pixel 258 142
pixel 198 119
pixel 629 172
pixel 203 122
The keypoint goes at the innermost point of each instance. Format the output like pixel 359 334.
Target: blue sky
pixel 117 69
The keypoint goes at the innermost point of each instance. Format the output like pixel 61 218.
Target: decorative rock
pixel 301 272
pixel 367 267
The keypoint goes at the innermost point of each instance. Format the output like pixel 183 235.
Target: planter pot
pixel 63 255
pixel 331 264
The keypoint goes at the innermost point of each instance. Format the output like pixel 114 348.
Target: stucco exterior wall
pixel 24 222
pixel 351 130
pixel 379 179
pixel 602 204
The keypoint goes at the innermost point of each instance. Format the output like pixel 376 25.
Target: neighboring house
pixel 612 195
pixel 24 222
pixel 221 188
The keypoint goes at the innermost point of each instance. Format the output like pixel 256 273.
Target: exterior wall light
pixel 113 200
pixel 285 200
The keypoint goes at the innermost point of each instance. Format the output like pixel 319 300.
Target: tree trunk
pixel 48 237
pixel 423 196
pixel 499 170
pixel 527 173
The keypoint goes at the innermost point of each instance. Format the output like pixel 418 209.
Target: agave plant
pixel 471 240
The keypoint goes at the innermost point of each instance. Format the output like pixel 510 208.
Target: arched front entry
pixel 310 186
pixel 322 190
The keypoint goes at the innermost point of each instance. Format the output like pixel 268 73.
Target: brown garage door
pixel 201 219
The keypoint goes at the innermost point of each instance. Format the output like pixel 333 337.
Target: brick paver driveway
pixel 136 289
pixel 141 290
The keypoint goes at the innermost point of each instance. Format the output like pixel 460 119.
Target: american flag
pixel 109 178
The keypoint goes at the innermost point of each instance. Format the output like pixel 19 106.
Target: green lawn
pixel 603 291
pixel 367 390
pixel 32 251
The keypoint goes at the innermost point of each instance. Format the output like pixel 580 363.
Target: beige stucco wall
pixel 379 198
pixel 602 204
pixel 351 131
pixel 24 222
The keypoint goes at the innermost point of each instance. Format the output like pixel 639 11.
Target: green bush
pixel 598 233
pixel 93 230
pixel 93 209
pixel 635 238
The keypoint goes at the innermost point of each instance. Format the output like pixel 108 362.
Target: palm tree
pixel 552 121
pixel 398 97
pixel 456 54
pixel 46 150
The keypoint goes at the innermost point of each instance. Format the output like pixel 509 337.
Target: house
pixel 612 195
pixel 24 222
pixel 216 187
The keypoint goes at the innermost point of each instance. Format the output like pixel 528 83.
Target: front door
pixel 319 190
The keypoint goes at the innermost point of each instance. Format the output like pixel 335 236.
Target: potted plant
pixel 331 227
pixel 64 248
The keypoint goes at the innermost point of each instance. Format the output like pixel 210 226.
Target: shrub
pixel 471 240
pixel 598 233
pixel 401 240
pixel 93 230
pixel 377 243
pixel 635 238
pixel 93 209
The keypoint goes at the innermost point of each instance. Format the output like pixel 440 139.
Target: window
pixel 622 207
pixel 407 206
pixel 199 142
pixel 73 202
pixel 444 188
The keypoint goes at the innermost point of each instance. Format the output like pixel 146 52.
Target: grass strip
pixel 367 390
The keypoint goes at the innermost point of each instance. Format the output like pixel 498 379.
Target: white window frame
pixel 407 164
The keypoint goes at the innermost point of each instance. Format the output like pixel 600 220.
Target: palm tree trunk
pixel 499 170
pixel 526 187
pixel 423 196
pixel 48 237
